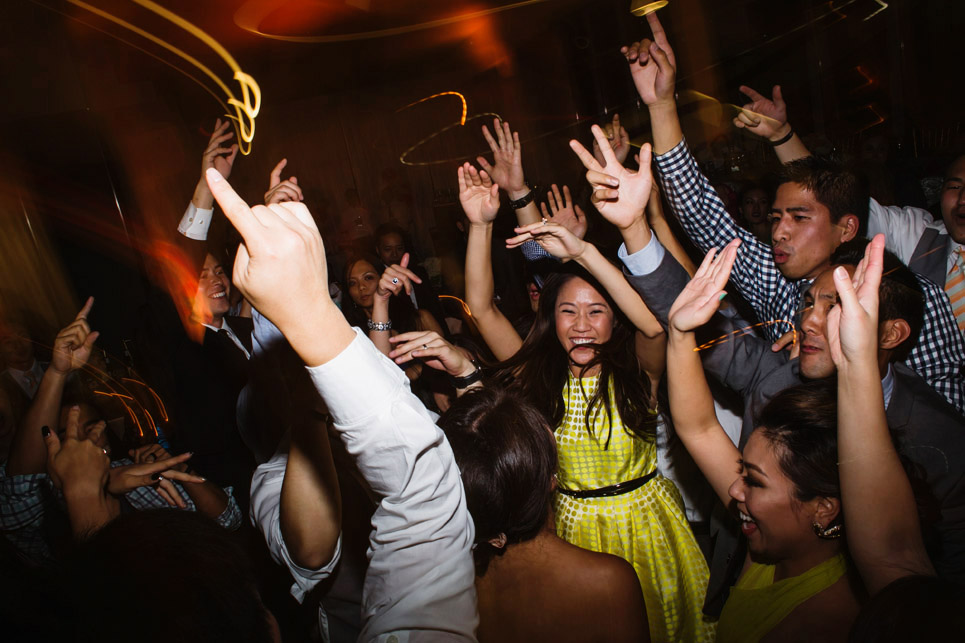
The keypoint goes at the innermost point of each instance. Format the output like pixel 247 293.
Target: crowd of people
pixel 742 422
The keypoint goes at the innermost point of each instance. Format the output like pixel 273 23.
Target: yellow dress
pixel 756 604
pixel 646 527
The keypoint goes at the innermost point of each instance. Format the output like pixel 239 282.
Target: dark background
pixel 101 141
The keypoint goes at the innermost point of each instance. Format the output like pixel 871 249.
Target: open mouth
pixel 748 525
pixel 579 341
pixel 221 294
pixel 780 256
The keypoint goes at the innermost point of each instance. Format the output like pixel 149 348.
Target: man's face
pixel 820 298
pixel 391 248
pixel 16 349
pixel 802 232
pixel 211 301
pixel 953 200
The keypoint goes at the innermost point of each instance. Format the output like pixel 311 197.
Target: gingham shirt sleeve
pixel 707 223
pixel 939 356
pixel 144 498
pixel 23 502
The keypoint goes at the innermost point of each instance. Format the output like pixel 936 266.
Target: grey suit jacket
pixel 930 431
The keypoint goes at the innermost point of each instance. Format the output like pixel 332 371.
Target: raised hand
pixel 395 278
pixel 507 168
pixel 216 155
pixel 478 195
pixel 157 474
pixel 77 461
pixel 433 350
pixel 653 66
pixel 619 194
pixel 555 239
pixel 853 323
pixel 617 137
pixel 698 302
pixel 281 191
pixel 563 211
pixel 74 344
pixel 766 117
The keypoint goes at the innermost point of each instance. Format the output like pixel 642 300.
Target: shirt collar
pixel 888 385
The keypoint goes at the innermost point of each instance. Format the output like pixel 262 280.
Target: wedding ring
pixel 544 220
pixel 425 346
pixel 395 280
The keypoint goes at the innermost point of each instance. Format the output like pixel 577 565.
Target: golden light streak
pixel 137 423
pixel 726 337
pixel 435 134
pixel 252 13
pixel 884 5
pixel 465 306
pixel 245 109
pixel 642 8
pixel 462 120
pixel 157 398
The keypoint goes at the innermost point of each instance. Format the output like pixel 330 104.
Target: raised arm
pixel 394 278
pixel 420 574
pixel 507 170
pixel 197 218
pixel 691 404
pixel 884 536
pixel 72 349
pixel 767 118
pixel 479 197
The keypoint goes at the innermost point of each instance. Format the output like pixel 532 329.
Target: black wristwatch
pixel 525 200
pixel 466 380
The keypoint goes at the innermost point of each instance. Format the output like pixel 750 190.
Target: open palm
pixel 698 302
pixel 478 195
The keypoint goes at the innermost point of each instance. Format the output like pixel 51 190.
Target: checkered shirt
pixel 939 356
pixel 26 499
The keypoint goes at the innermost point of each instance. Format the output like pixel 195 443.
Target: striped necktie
pixel 955 287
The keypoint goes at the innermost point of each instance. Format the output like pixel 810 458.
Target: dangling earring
pixel 827 533
pixel 499 542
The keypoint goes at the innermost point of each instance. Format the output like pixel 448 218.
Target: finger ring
pixel 544 220
pixel 425 346
pixel 105 451
pixel 395 280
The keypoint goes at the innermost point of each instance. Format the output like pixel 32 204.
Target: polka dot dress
pixel 646 527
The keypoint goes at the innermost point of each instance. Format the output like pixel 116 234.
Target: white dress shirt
pixel 195 222
pixel 231 336
pixel 28 380
pixel 420 581
pixel 903 228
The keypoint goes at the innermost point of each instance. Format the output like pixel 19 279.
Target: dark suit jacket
pixel 208 378
pixel 931 433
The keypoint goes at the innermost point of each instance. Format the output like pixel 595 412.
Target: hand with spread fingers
pixel 156 474
pixel 216 155
pixel 554 238
pixel 619 194
pixel 766 117
pixel 507 168
pixel 653 66
pixel 478 195
pixel 281 191
pixel 73 345
pixel 433 350
pixel 617 137
pixel 698 302
pixel 563 211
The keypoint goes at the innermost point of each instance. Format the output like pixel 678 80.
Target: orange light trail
pixel 157 398
pixel 437 133
pixel 245 110
pixel 462 120
pixel 465 306
pixel 740 331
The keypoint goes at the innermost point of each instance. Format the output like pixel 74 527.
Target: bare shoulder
pixel 609 585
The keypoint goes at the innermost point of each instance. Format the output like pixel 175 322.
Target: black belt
pixel 613 490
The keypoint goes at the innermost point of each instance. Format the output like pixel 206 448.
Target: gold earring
pixel 827 533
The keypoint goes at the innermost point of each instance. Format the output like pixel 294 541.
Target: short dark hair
pixel 507 457
pixel 803 421
pixel 840 190
pixel 113 576
pixel 900 294
pixel 390 228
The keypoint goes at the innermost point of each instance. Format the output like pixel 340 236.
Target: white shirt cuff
pixel 643 262
pixel 195 223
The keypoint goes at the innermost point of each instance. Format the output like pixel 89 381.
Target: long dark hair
pixel 403 314
pixel 540 368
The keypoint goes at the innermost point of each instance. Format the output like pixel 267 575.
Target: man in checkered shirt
pixel 818 207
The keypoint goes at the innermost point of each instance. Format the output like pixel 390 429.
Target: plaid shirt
pixel 28 501
pixel 938 357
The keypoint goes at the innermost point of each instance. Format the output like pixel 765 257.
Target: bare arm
pixel 691 404
pixel 478 196
pixel 72 348
pixel 884 536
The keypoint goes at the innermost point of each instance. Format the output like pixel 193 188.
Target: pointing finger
pixel 233 206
